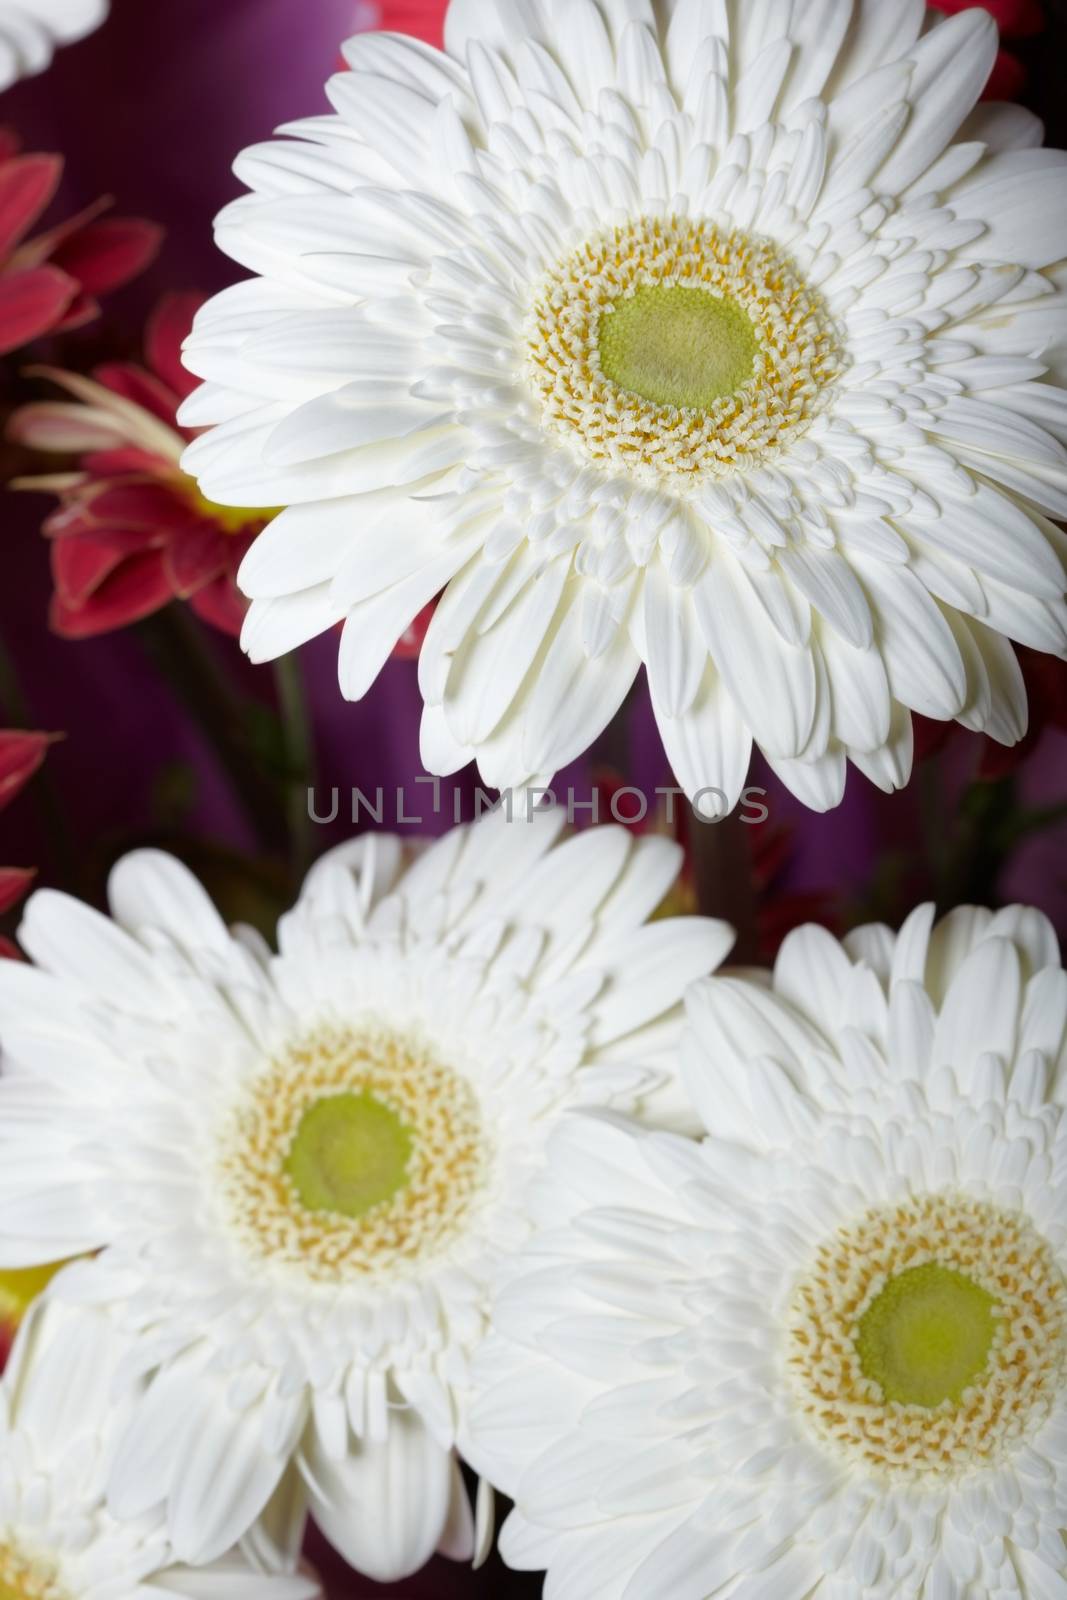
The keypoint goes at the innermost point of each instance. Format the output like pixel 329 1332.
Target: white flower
pixel 714 335
pixel 304 1171
pixel 30 30
pixel 57 1430
pixel 820 1354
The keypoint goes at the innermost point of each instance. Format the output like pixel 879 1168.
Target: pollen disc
pixel 678 352
pixel 929 1339
pixel 357 1153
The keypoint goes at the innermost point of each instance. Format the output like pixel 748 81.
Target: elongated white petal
pixel 385 1505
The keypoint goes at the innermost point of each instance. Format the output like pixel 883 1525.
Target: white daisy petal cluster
pixel 823 1352
pixel 31 30
pixel 58 1540
pixel 722 337
pixel 304 1171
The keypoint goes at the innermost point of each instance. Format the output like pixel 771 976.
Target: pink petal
pixel 21 754
pixel 107 254
pixel 36 251
pixel 82 565
pixel 55 425
pixel 85 308
pixel 154 507
pixel 168 327
pixel 137 589
pixel 134 383
pixel 31 304
pixel 14 883
pixel 222 605
pixel 119 463
pixel 27 187
pixel 195 556
pixel 8 952
pixel 425 19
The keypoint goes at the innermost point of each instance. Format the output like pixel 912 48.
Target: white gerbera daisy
pixel 30 30
pixel 721 336
pixel 822 1353
pixel 305 1170
pixel 57 1430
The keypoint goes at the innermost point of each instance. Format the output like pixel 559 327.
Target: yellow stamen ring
pixel 670 349
pixel 357 1153
pixel 28 1577
pixel 929 1339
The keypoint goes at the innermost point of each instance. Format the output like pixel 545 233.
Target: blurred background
pixel 168 736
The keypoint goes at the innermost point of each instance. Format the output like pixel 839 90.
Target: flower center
pixel 28 1577
pixel 350 1154
pixel 356 1153
pixel 927 1336
pixel 677 352
pixel 929 1339
pixel 677 347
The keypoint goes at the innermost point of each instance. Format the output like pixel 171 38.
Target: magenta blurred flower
pixel 132 532
pixel 54 280
pixel 424 19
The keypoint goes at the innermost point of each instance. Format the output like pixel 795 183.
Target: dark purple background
pixel 152 110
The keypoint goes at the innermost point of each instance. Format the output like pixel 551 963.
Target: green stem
pixel 1027 823
pixel 722 874
pixel 176 643
pixel 299 755
pixel 13 706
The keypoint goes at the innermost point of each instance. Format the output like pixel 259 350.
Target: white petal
pixel 773 683
pixel 386 1505
pixel 953 63
pixel 921 656
pixel 709 747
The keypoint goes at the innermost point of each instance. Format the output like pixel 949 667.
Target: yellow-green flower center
pixel 356 1153
pixel 927 1336
pixel 351 1152
pixel 677 347
pixel 19 1288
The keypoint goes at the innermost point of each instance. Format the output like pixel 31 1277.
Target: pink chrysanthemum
pixel 132 531
pixel 53 281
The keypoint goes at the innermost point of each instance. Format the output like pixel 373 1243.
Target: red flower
pixel 53 281
pixel 424 19
pixel 132 531
pixel 1016 19
pixel 20 756
pixel 409 646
